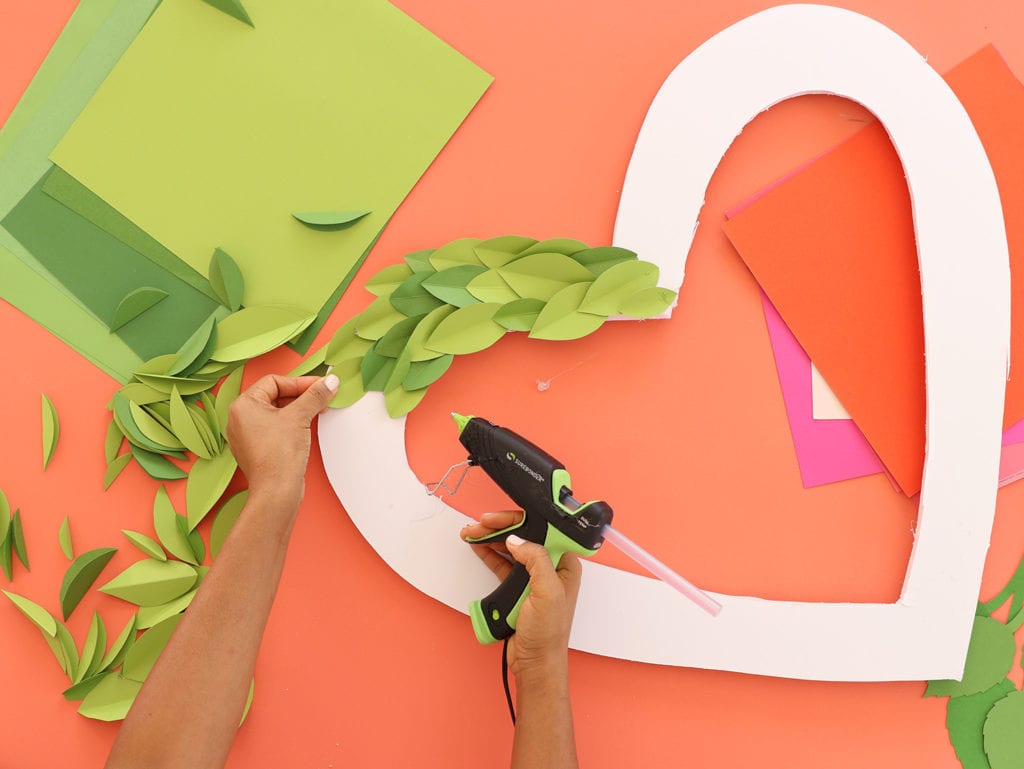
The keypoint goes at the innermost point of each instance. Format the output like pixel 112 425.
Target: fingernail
pixel 514 540
pixel 332 382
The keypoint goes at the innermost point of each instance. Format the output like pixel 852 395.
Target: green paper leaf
pixel 469 329
pixel 248 701
pixel 159 438
pixel 36 614
pixel 388 279
pixel 80 575
pixel 989 658
pixel 112 443
pixel 450 285
pixel 185 429
pixel 561 318
pixel 151 582
pixel 489 286
pixel 143 395
pixel 225 520
pixel 7 555
pixel 602 258
pixel 149 616
pixel 147 545
pixel 375 370
pixel 165 523
pixel 1004 737
pixel 618 283
pixel 78 692
pixel 350 388
pixel 114 469
pixel 409 299
pixel 965 719
pixel 185 385
pixel 196 351
pixel 206 482
pixel 136 303
pixel 212 421
pixel 455 253
pixel 377 319
pixel 119 648
pixel 92 649
pixel 17 536
pixel 232 8
pixel 255 330
pixel 501 250
pixel 398 401
pixel 229 390
pixel 111 698
pixel 144 654
pixel 51 430
pixel 424 373
pixel 417 340
pixel 519 315
pixel 156 466
pixel 398 373
pixel 542 275
pixel 345 344
pixel 195 540
pixel 329 220
pixel 564 246
pixel 226 279
pixel 214 370
pixel 647 303
pixel 397 337
pixel 65 651
pixel 314 365
pixel 419 261
pixel 64 538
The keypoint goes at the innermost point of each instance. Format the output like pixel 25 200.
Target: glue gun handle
pixel 494 617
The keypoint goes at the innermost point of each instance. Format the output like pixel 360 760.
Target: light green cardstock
pixel 206 153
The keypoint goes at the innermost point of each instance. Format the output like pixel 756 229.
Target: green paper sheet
pixel 192 128
pixel 965 719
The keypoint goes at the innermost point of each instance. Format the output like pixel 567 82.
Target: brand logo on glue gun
pixel 519 463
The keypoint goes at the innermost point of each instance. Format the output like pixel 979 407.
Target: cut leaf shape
pixel 647 303
pixel 17 535
pixel 542 275
pixel 51 430
pixel 226 279
pixel 455 253
pixel 965 720
pixel 195 541
pixel 206 482
pixel 498 251
pixel 7 553
pixel 230 389
pixel 151 582
pixel 450 285
pixel 616 284
pixel 64 538
pixel 36 614
pixel 561 318
pixel 78 692
pixel 469 329
pixel 186 385
pixel 159 365
pixel 136 392
pixel 92 649
pixel 519 315
pixel 255 330
pixel 134 304
pixel 346 344
pixel 409 299
pixel 419 261
pixel 80 575
pixel 489 286
pixel 416 344
pixel 144 654
pixel 424 373
pixel 350 388
pixel 215 431
pixel 989 658
pixel 329 220
pixel 156 466
pixel 314 365
pixel 114 469
pixel 395 340
pixel 160 439
pixel 375 370
pixel 398 401
pixel 112 697
pixel 225 520
pixel 565 246
pixel 147 545
pixel 602 258
pixel 149 616
pixel 1004 738
pixel 65 651
pixel 248 701
pixel 388 279
pixel 232 8
pixel 165 523
pixel 119 648
pixel 112 443
pixel 196 351
pixel 185 428
pixel 376 319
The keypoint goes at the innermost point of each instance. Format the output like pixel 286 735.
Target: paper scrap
pixel 825 402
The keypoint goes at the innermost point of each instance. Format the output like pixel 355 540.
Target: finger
pixel 501 519
pixel 544 582
pixel 570 570
pixel 272 388
pixel 493 561
pixel 314 399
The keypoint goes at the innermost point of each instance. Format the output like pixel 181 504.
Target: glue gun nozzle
pixel 461 421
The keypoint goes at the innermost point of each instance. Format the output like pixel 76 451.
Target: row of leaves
pixel 12 538
pixel 463 297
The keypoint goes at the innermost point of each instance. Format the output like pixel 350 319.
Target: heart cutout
pixel 704 103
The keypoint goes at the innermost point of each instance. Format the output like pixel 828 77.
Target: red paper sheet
pixel 833 247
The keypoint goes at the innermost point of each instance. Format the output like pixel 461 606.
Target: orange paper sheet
pixel 833 247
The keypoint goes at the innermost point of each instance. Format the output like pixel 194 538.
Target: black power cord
pixel 504 680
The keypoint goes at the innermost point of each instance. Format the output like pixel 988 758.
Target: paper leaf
pixel 989 658
pixel 113 441
pixel 425 373
pixel 151 582
pixel 114 469
pixel 17 535
pixel 373 322
pixel 185 429
pixel 417 341
pixel 144 654
pixel 185 385
pixel 519 315
pixel 498 251
pixel 232 8
pixel 398 373
pixel 92 649
pixel 143 395
pixel 230 389
pixel 68 653
pixel 398 401
pixel 351 388
pixel 149 616
pixel 255 330
pixel 156 466
pixel 965 719
pixel 469 329
pixel 159 438
pixel 112 697
pixel 561 319
pixel 78 692
pixel 616 284
pixel 165 523
pixel 64 537
pixel 36 614
pixel 210 416
pixel 1004 737
pixel 450 285
pixel 565 246
pixel 248 701
pixel 388 279
pixel 197 349
pixel 375 370
pixel 489 286
pixel 136 303
pixel 600 259
pixel 80 575
pixel 541 276
pixel 195 541
pixel 147 545
pixel 160 365
pixel 410 298
pixel 7 553
pixel 647 303
pixel 345 344
pixel 329 220
pixel 119 648
pixel 226 279
pixel 225 520
pixel 206 482
pixel 455 253
pixel 397 337
pixel 51 430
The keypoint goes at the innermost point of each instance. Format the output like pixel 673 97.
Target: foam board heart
pixel 705 102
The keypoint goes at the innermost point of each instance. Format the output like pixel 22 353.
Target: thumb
pixel 543 579
pixel 315 399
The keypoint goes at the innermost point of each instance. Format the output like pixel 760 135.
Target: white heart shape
pixel 705 102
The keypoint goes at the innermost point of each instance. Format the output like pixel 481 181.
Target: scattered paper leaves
pixel 226 279
pixel 114 469
pixel 151 582
pixel 146 650
pixel 51 429
pixel 206 482
pixel 80 576
pixel 64 538
pixel 197 349
pixel 147 545
pixel 111 698
pixel 134 304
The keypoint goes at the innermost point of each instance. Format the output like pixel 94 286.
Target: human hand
pixel 541 640
pixel 269 432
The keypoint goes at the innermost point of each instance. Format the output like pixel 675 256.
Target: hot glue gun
pixel 541 486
